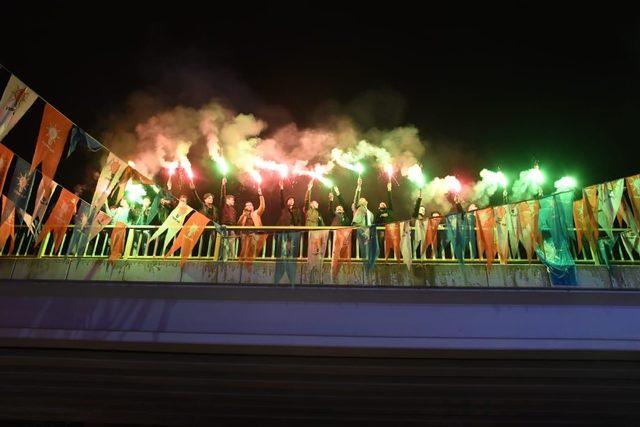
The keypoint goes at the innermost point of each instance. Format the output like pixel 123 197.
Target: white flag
pixel 406 246
pixel 16 100
pixel 172 224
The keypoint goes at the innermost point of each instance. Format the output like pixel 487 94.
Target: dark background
pixel 486 88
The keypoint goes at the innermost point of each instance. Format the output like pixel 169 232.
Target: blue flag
pixel 372 247
pixel 287 250
pixel 81 225
pixel 21 184
pixel 457 232
pixel 80 137
pixel 555 252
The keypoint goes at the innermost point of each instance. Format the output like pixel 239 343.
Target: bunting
pixel 250 246
pixel 486 222
pixel 107 181
pixel 117 240
pixel 17 98
pixel 501 216
pixel 81 138
pixel 457 233
pixel 528 221
pixel 420 233
pixel 54 130
pixel 609 199
pixel 554 250
pixel 98 222
pixel 287 249
pixel 341 250
pixel 512 228
pixel 172 224
pixel 431 237
pixel 59 219
pixel 317 247
pixel 20 185
pixel 6 156
pixel 43 197
pixel 590 200
pixel 406 245
pixel 79 234
pixel 392 240
pixel 633 190
pixel 7 230
pixel 188 237
pixel 578 219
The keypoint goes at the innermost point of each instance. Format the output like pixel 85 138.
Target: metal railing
pixel 208 247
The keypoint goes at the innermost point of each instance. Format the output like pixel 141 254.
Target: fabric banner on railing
pixel 501 218
pixel 609 199
pixel 6 156
pixel 117 240
pixel 59 219
pixel 17 98
pixel 54 130
pixel 341 250
pixel 287 251
pixel 420 233
pixel 590 200
pixel 188 237
pixel 431 237
pixel 392 240
pixel 109 178
pixel 631 241
pixel 578 219
pixel 633 189
pixel 80 233
pixel 554 252
pixel 457 234
pixel 486 222
pixel 512 228
pixel 406 245
pixel 98 222
pixel 368 240
pixel 251 245
pixel 317 247
pixel 528 220
pixel 43 197
pixel 20 185
pixel 7 222
pixel 172 224
pixel 81 138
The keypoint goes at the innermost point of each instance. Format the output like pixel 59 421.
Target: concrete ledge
pixel 351 274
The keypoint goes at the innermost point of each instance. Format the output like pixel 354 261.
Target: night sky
pixel 485 88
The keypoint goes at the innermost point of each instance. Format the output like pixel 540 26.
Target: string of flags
pixel 544 227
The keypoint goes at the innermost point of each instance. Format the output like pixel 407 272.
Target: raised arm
pixel 389 198
pixel 356 195
pixel 223 192
pixel 416 208
pixel 262 206
pixel 282 204
pixel 307 197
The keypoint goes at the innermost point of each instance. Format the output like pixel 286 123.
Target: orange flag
pixel 341 249
pixel 392 240
pixel 486 222
pixel 528 221
pixel 431 237
pixel 501 221
pixel 59 218
pixel 251 245
pixel 590 200
pixel 54 130
pixel 117 238
pixel 6 227
pixel 578 220
pixel 6 156
pixel 188 236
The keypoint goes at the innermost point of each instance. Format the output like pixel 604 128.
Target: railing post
pixel 216 245
pixel 129 244
pixel 43 246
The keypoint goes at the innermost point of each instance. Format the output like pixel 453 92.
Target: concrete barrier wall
pixel 262 272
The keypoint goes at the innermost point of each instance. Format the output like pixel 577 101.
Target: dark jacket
pixel 229 215
pixel 288 216
pixel 344 219
pixel 385 217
